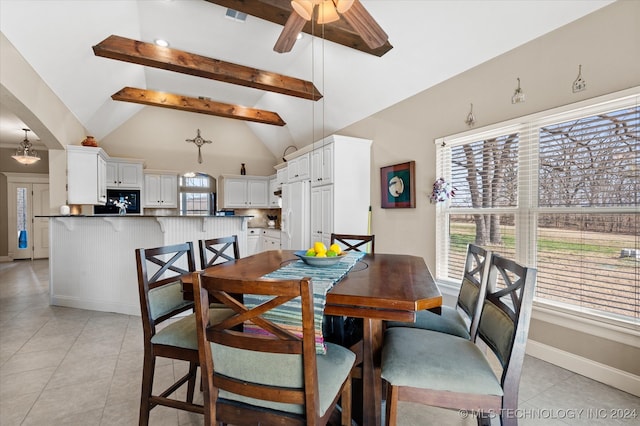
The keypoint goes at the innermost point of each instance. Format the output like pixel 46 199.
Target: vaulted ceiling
pixel 429 42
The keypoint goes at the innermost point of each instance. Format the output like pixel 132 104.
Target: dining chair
pixel 220 249
pixel 259 371
pixel 161 301
pixel 462 319
pixel 350 242
pixel 447 371
pixel 347 331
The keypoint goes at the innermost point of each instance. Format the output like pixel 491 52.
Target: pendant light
pixel 25 154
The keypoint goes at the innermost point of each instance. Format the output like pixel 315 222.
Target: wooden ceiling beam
pixel 198 105
pixel 148 54
pixel 278 11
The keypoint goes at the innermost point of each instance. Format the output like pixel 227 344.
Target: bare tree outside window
pixel 580 218
pixel 485 175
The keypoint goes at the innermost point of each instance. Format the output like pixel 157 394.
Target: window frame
pixel 526 212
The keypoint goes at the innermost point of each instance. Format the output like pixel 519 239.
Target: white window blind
pixel 588 177
pixel 559 191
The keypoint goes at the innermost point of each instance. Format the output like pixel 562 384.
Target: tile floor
pixel 63 366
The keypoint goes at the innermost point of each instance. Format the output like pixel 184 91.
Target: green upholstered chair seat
pixel 182 333
pixel 283 370
pixel 449 321
pixel 431 360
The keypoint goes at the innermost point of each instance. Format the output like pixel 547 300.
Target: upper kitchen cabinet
pixel 337 158
pixel 161 190
pixel 244 192
pixel 322 165
pixel 281 175
pixel 298 168
pixel 124 173
pixel 86 175
pixel 274 200
pixel 341 187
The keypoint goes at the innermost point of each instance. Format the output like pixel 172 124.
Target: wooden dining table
pixel 379 287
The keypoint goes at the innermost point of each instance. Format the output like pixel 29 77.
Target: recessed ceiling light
pixel 161 42
pixel 299 36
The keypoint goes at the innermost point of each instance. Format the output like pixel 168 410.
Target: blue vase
pixel 22 239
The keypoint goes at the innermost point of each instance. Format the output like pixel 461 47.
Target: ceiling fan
pixel 327 11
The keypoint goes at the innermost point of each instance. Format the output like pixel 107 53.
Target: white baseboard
pixel 603 373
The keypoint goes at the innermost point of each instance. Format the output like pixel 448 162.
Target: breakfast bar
pixel 92 262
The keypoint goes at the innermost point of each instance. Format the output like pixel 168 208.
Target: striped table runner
pixel 323 279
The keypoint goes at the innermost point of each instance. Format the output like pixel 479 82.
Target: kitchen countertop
pixel 145 215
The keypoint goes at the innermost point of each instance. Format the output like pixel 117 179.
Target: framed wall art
pixel 397 186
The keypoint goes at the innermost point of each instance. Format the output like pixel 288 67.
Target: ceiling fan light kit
pixel 343 5
pixel 304 8
pixel 329 11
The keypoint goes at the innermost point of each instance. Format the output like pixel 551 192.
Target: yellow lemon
pixel 335 248
pixel 323 254
pixel 319 247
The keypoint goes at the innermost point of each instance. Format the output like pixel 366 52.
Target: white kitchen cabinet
pixel 124 173
pixel 253 241
pixel 86 175
pixel 298 168
pixel 322 214
pixel 340 201
pixel 245 192
pixel 274 201
pixel 270 239
pixel 281 175
pixel 161 190
pixel 322 165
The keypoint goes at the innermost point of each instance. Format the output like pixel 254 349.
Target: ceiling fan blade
pixel 289 33
pixel 364 24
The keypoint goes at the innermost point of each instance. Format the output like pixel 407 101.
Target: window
pixel 559 191
pixel 197 194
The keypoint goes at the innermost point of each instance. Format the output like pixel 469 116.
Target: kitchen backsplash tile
pixel 260 218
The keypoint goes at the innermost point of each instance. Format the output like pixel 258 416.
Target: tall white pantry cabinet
pixel 340 187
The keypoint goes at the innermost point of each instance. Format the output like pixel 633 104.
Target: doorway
pixel 28 235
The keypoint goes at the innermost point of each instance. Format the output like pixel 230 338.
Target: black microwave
pixel 131 195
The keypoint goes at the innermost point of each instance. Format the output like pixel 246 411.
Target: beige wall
pixel 158 135
pixel 606 43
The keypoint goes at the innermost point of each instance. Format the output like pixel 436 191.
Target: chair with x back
pixel 220 249
pixel 161 299
pixel 448 371
pixel 347 331
pixel 257 370
pixel 350 242
pixel 462 319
